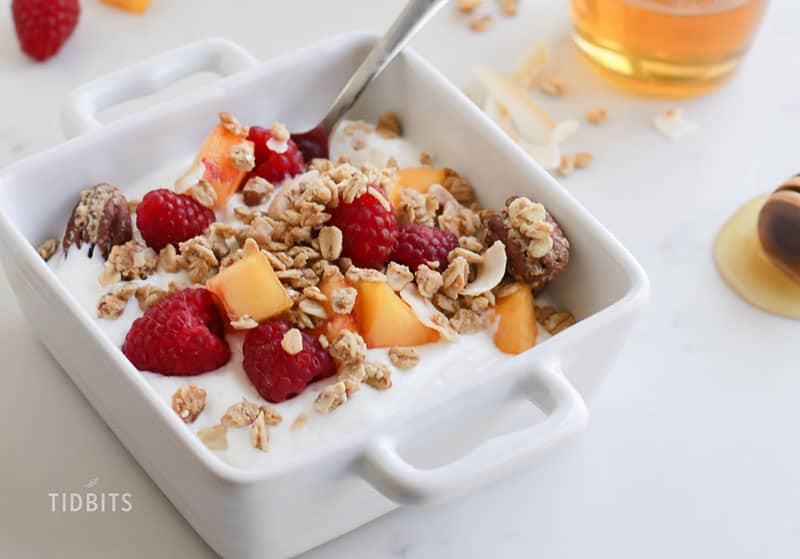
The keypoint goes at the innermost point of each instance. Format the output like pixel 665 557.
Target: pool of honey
pixel 747 269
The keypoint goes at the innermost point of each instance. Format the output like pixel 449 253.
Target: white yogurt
pixel 358 142
pixel 441 365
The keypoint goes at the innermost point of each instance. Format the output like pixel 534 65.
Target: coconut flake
pixel 190 177
pixel 673 124
pixel 490 271
pixel 525 122
pixel 425 312
pixel 528 117
pixel 442 195
pixel 529 68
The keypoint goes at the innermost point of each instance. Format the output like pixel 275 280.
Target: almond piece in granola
pixel 292 342
pixel 259 434
pixel 214 437
pixel 404 357
pixel 330 242
pixel 256 190
pixel 188 402
pixel 244 322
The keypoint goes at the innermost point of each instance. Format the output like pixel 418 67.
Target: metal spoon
pixel 415 14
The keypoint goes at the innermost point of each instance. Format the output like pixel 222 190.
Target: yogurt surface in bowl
pixel 441 365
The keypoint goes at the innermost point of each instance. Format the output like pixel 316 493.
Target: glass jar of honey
pixel 671 48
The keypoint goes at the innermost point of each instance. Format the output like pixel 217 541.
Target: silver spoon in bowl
pixel 314 143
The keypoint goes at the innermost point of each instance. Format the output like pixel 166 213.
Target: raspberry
pixel 418 244
pixel 165 218
pixel 277 375
pixel 183 334
pixel 270 165
pixel 368 230
pixel 312 144
pixel 43 26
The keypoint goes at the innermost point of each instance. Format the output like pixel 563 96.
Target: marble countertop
pixel 692 448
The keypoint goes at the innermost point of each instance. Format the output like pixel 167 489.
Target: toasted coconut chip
pixel 190 177
pixel 523 119
pixel 526 71
pixel 499 114
pixel 442 195
pixel 425 312
pixel 528 117
pixel 673 124
pixel 490 272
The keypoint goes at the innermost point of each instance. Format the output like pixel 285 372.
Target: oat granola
pixel 188 402
pixel 297 277
pixel 404 357
pixel 378 375
pixel 259 434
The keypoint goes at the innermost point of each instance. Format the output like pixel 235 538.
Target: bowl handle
pixel 546 386
pixel 223 57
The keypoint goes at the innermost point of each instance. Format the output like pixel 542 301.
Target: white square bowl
pixel 282 511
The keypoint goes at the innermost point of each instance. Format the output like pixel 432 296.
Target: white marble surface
pixel 692 448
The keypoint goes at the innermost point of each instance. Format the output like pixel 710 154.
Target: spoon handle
pixel 411 19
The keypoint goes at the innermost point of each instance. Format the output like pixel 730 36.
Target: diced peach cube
pixel 385 320
pixel 418 178
pixel 250 287
pixel 516 321
pixel 133 6
pixel 220 170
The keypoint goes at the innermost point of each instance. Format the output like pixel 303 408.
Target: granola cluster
pixel 537 249
pixel 239 415
pixel 350 351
